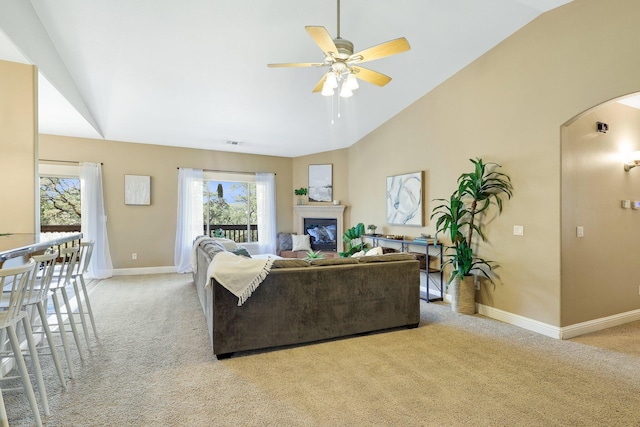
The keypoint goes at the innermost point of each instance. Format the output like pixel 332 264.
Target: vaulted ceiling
pixel 193 73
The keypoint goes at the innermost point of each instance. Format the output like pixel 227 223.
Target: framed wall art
pixel 137 190
pixel 404 199
pixel 320 183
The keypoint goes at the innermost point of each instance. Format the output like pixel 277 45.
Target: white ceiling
pixel 193 73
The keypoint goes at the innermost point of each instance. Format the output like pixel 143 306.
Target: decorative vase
pixel 463 295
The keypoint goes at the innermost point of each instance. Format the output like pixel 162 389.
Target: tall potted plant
pixel 457 217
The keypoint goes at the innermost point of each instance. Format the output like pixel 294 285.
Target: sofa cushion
pixel 289 263
pixel 333 261
pixel 387 257
pixel 301 242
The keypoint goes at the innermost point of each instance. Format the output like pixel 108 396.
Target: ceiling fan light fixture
pixel 352 82
pixel 346 92
pixel 331 81
pixel 327 91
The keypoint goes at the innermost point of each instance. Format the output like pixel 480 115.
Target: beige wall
pixel 600 271
pixel 508 107
pixel 149 231
pixel 18 141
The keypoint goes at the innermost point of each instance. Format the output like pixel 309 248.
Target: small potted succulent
pixel 371 229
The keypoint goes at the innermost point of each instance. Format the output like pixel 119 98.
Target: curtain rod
pixel 222 171
pixel 62 161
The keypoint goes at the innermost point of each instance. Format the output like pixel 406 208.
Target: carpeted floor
pixel 153 366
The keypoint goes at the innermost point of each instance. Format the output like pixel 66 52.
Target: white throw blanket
pixel 240 275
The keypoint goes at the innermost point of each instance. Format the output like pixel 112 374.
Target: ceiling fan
pixel 344 69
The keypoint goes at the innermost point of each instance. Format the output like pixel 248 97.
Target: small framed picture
pixel 137 190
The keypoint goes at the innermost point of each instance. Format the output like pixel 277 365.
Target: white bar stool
pixel 36 303
pixel 61 277
pixel 80 289
pixel 15 280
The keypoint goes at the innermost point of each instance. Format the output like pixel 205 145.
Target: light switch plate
pixel 580 231
pixel 518 230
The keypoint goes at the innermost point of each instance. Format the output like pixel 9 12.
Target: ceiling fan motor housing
pixel 345 48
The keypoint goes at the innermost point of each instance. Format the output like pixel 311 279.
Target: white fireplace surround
pixel 318 211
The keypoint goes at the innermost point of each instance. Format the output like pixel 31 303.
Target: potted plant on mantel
pixel 457 217
pixel 302 191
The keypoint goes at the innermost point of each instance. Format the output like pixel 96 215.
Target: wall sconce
pixel 633 161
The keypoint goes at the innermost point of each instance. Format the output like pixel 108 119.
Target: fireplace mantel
pixel 319 211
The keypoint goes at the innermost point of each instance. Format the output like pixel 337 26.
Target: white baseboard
pixel 599 324
pixel 144 270
pixel 521 321
pixel 562 333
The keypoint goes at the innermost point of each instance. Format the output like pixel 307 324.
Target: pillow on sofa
pixel 227 243
pixel 300 242
pixel 212 248
pixel 374 251
pixel 284 241
pixel 242 252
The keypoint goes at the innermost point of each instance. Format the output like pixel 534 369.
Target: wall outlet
pixel 580 231
pixel 626 204
pixel 134 256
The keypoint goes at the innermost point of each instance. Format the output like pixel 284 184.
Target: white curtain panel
pixel 266 201
pixel 94 220
pixel 190 216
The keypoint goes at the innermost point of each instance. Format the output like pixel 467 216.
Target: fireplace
pixel 323 232
pixel 320 212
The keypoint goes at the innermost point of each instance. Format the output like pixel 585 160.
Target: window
pixel 60 206
pixel 230 208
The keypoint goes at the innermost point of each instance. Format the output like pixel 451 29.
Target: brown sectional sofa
pixel 301 302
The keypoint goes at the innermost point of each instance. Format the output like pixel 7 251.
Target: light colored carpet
pixel 153 367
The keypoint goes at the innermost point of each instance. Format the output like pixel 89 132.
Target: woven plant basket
pixel 463 295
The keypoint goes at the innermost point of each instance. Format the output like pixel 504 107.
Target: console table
pixel 405 245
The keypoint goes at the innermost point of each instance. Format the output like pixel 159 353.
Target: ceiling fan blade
pixel 297 64
pixel 318 87
pixel 321 36
pixel 389 48
pixel 371 76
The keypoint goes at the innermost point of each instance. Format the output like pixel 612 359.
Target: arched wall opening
pixel 600 238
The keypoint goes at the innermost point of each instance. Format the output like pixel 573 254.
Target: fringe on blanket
pixel 255 282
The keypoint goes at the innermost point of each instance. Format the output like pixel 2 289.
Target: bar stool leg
pixel 88 305
pixel 83 320
pixel 35 361
pixel 24 374
pixel 76 337
pixel 4 422
pixel 63 335
pixel 52 344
